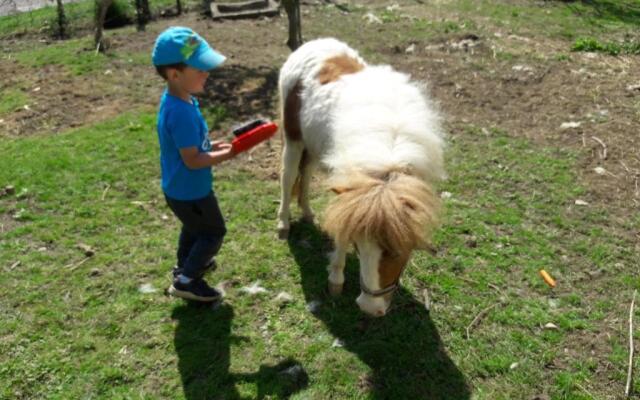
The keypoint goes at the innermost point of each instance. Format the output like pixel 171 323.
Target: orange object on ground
pixel 547 278
pixel 259 134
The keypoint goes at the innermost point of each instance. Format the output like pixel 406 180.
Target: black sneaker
pixel 212 266
pixel 197 290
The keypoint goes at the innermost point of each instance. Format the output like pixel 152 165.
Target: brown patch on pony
pixel 398 213
pixel 390 267
pixel 291 117
pixel 334 67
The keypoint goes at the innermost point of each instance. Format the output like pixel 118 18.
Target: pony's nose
pixel 374 306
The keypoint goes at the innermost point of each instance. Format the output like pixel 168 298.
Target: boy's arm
pixel 193 159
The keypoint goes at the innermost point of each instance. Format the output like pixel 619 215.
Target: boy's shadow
pixel 202 342
pixel 403 349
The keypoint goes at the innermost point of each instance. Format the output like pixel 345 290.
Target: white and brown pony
pixel 379 138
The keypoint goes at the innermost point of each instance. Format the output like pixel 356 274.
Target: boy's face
pixel 189 79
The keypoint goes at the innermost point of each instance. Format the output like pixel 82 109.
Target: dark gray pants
pixel 202 233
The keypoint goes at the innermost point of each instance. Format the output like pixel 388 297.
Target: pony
pixel 380 139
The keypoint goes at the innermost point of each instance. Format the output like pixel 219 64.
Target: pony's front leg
pixel 290 164
pixel 336 269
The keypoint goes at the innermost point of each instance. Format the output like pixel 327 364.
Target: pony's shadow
pixel 403 349
pixel 202 342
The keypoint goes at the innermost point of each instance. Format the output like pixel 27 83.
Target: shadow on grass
pixel 202 342
pixel 403 349
pixel 243 92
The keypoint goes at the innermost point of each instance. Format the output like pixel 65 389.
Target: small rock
pixel 42 249
pixel 513 366
pixel 88 250
pixel 372 19
pixel 337 343
pixel 108 72
pixel 570 125
pixel 633 88
pixel 411 49
pixel 164 217
pixel 522 68
pixel 581 203
pixel 36 89
pixel 26 107
pixel 147 288
pixel 600 170
pixel 445 195
pixel 551 326
pixel 284 297
pixel 393 7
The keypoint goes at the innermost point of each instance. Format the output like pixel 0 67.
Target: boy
pixel 183 59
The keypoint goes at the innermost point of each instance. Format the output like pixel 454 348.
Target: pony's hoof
pixel 283 233
pixel 335 289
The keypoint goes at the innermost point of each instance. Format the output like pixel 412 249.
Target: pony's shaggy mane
pixel 397 210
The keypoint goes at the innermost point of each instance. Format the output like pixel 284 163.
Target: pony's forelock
pixel 398 211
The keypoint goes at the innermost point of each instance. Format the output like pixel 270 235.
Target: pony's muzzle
pixel 375 306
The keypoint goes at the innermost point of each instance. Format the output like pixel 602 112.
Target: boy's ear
pixel 172 74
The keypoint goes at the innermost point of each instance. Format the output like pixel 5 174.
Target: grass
pixel 97 336
pixel 77 327
pixel 613 49
pixel 12 99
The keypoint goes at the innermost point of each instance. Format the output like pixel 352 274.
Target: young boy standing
pixel 184 60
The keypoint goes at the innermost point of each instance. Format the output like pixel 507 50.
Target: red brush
pixel 252 133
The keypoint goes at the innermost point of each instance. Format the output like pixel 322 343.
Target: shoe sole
pixel 190 296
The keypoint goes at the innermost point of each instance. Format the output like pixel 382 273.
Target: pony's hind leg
pixel 306 171
pixel 336 269
pixel 290 165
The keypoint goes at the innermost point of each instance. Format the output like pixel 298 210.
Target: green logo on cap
pixel 189 47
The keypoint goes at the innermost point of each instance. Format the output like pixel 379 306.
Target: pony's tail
pixel 398 211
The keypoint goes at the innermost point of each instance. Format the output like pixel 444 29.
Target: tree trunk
pixel 146 11
pixel 178 7
pixel 143 15
pixel 62 21
pixel 292 7
pixel 101 14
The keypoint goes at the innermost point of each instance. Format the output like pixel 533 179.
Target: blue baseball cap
pixel 178 44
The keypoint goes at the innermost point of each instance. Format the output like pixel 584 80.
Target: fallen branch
pixel 478 317
pixel 74 266
pixel 604 147
pixel 627 389
pixel 104 193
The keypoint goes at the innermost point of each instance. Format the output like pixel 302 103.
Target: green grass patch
pixel 613 49
pixel 11 100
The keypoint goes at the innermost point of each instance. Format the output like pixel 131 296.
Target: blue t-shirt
pixel 180 125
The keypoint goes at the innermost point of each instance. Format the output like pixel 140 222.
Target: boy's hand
pixel 219 145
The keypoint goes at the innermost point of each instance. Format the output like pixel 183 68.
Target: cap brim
pixel 206 60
